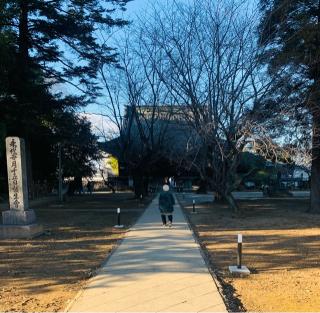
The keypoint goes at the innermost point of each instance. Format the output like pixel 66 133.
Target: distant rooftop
pixel 161 112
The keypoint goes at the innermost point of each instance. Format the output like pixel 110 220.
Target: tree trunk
pixel 232 203
pixel 228 197
pixel 146 185
pixel 218 196
pixel 203 185
pixel 315 166
pixel 23 40
pixel 23 78
pixel 138 185
pixel 29 169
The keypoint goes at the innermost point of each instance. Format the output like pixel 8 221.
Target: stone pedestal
pixel 18 217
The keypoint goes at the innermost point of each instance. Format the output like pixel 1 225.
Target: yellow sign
pixel 112 165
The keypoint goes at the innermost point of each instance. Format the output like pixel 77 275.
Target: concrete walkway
pixel 155 269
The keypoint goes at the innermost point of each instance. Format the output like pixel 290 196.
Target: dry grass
pixel 44 273
pixel 281 248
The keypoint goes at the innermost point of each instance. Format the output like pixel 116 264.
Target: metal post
pixel 239 255
pixel 60 172
pixel 118 211
pixel 193 206
pixel 118 220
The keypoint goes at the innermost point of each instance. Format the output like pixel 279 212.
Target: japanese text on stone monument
pixel 17 179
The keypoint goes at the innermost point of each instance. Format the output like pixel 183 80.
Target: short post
pixel 239 269
pixel 193 207
pixel 118 218
pixel 118 212
pixel 239 255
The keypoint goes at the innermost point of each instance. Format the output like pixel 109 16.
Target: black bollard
pixel 193 206
pixel 119 220
pixel 118 212
pixel 239 255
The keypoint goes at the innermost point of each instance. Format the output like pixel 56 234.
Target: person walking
pixel 166 203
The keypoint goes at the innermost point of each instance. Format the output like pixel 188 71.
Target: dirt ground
pixel 281 245
pixel 43 274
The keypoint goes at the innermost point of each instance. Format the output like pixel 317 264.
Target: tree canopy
pixel 290 31
pixel 60 38
pixel 46 45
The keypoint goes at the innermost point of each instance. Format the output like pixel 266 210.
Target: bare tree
pixel 138 104
pixel 210 64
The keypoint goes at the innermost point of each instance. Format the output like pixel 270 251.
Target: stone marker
pixel 19 221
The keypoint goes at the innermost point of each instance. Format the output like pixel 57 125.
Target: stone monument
pixel 19 221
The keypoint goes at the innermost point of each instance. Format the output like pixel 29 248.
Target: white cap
pixel 165 188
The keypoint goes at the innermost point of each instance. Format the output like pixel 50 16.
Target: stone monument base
pixel 18 217
pixel 20 231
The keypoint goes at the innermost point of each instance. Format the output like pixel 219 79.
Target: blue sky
pixel 134 8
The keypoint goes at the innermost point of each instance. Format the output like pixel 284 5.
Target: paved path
pixel 243 195
pixel 155 269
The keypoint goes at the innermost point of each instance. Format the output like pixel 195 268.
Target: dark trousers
pixel 164 220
